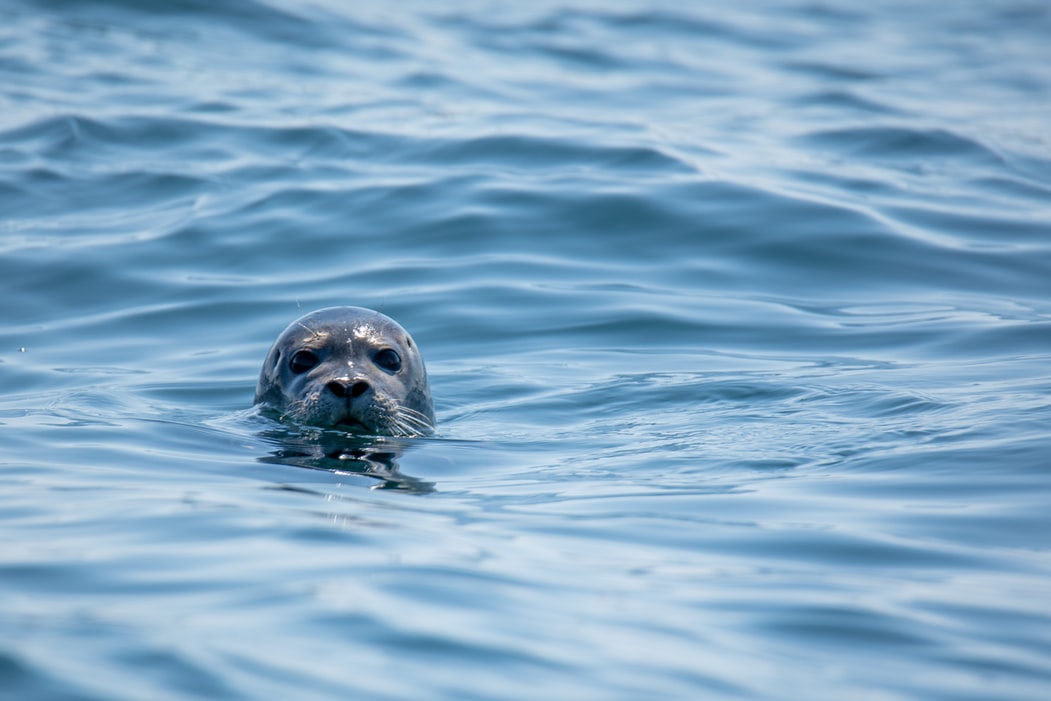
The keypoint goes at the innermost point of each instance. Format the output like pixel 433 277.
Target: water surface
pixel 737 320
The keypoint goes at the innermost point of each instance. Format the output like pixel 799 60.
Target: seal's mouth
pixel 351 424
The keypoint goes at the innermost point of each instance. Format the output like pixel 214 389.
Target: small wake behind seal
pixel 350 368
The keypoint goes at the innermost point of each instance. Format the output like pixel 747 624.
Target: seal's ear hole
pixel 302 361
pixel 277 358
pixel 388 359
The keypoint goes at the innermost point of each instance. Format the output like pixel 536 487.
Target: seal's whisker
pixel 414 421
pixel 412 415
pixel 409 423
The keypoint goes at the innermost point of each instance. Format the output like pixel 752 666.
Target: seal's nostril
pixel 343 389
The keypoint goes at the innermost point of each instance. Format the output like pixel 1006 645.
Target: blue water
pixel 737 318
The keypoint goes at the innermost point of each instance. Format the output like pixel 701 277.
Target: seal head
pixel 351 368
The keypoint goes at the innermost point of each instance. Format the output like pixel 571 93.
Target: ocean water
pixel 737 318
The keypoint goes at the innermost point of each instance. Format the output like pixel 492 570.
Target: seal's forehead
pixel 346 325
pixel 346 331
pixel 354 332
pixel 364 330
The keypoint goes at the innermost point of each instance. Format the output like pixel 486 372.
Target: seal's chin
pixel 349 423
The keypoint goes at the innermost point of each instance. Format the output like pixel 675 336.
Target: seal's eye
pixel 302 361
pixel 388 359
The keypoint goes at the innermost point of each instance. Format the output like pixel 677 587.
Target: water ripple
pixel 737 326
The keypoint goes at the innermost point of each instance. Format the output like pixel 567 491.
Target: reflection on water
pixel 345 453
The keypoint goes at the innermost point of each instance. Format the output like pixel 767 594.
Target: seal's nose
pixel 344 389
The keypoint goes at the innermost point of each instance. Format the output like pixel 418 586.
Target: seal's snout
pixel 344 389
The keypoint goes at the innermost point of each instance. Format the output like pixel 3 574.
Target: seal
pixel 351 368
